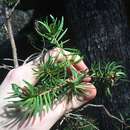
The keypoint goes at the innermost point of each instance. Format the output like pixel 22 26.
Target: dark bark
pixel 99 28
pixel 100 31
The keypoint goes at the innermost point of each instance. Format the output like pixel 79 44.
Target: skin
pixel 47 119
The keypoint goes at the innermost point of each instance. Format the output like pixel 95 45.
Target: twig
pixel 31 57
pixel 10 33
pixel 12 10
pixel 107 112
pixel 6 67
pixel 9 59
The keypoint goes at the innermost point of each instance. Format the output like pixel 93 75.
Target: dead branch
pixel 13 9
pixel 6 67
pixel 105 109
pixel 11 37
pixel 9 59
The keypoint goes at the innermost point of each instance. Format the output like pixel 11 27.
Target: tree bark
pixel 100 30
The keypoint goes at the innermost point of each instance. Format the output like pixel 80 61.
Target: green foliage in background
pixel 107 75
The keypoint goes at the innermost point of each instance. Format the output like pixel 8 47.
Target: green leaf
pixel 109 92
pixel 30 88
pixel 16 89
pixel 37 105
pixel 63 33
pixel 40 104
pixel 46 102
pixel 74 72
pixel 60 28
pixel 53 32
pixel 53 19
pixel 43 26
pixel 49 99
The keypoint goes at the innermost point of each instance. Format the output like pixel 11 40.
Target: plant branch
pixel 105 109
pixel 11 37
pixel 3 66
pixel 12 10
pixel 9 59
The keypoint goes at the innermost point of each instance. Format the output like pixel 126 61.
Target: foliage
pixel 107 75
pixel 54 81
pixel 52 31
pixel 53 84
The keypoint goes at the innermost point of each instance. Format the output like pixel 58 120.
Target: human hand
pixel 48 119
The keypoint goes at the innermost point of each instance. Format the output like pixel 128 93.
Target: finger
pixel 76 102
pixel 87 79
pixel 56 54
pixel 81 66
pixel 60 54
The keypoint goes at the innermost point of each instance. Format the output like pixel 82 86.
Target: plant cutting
pixel 56 77
pixel 54 80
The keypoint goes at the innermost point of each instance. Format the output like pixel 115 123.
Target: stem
pixel 105 109
pixel 53 89
pixel 12 10
pixel 11 37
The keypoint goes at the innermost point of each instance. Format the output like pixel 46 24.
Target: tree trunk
pixel 100 30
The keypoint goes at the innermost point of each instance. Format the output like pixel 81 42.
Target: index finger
pixel 60 55
pixel 81 66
